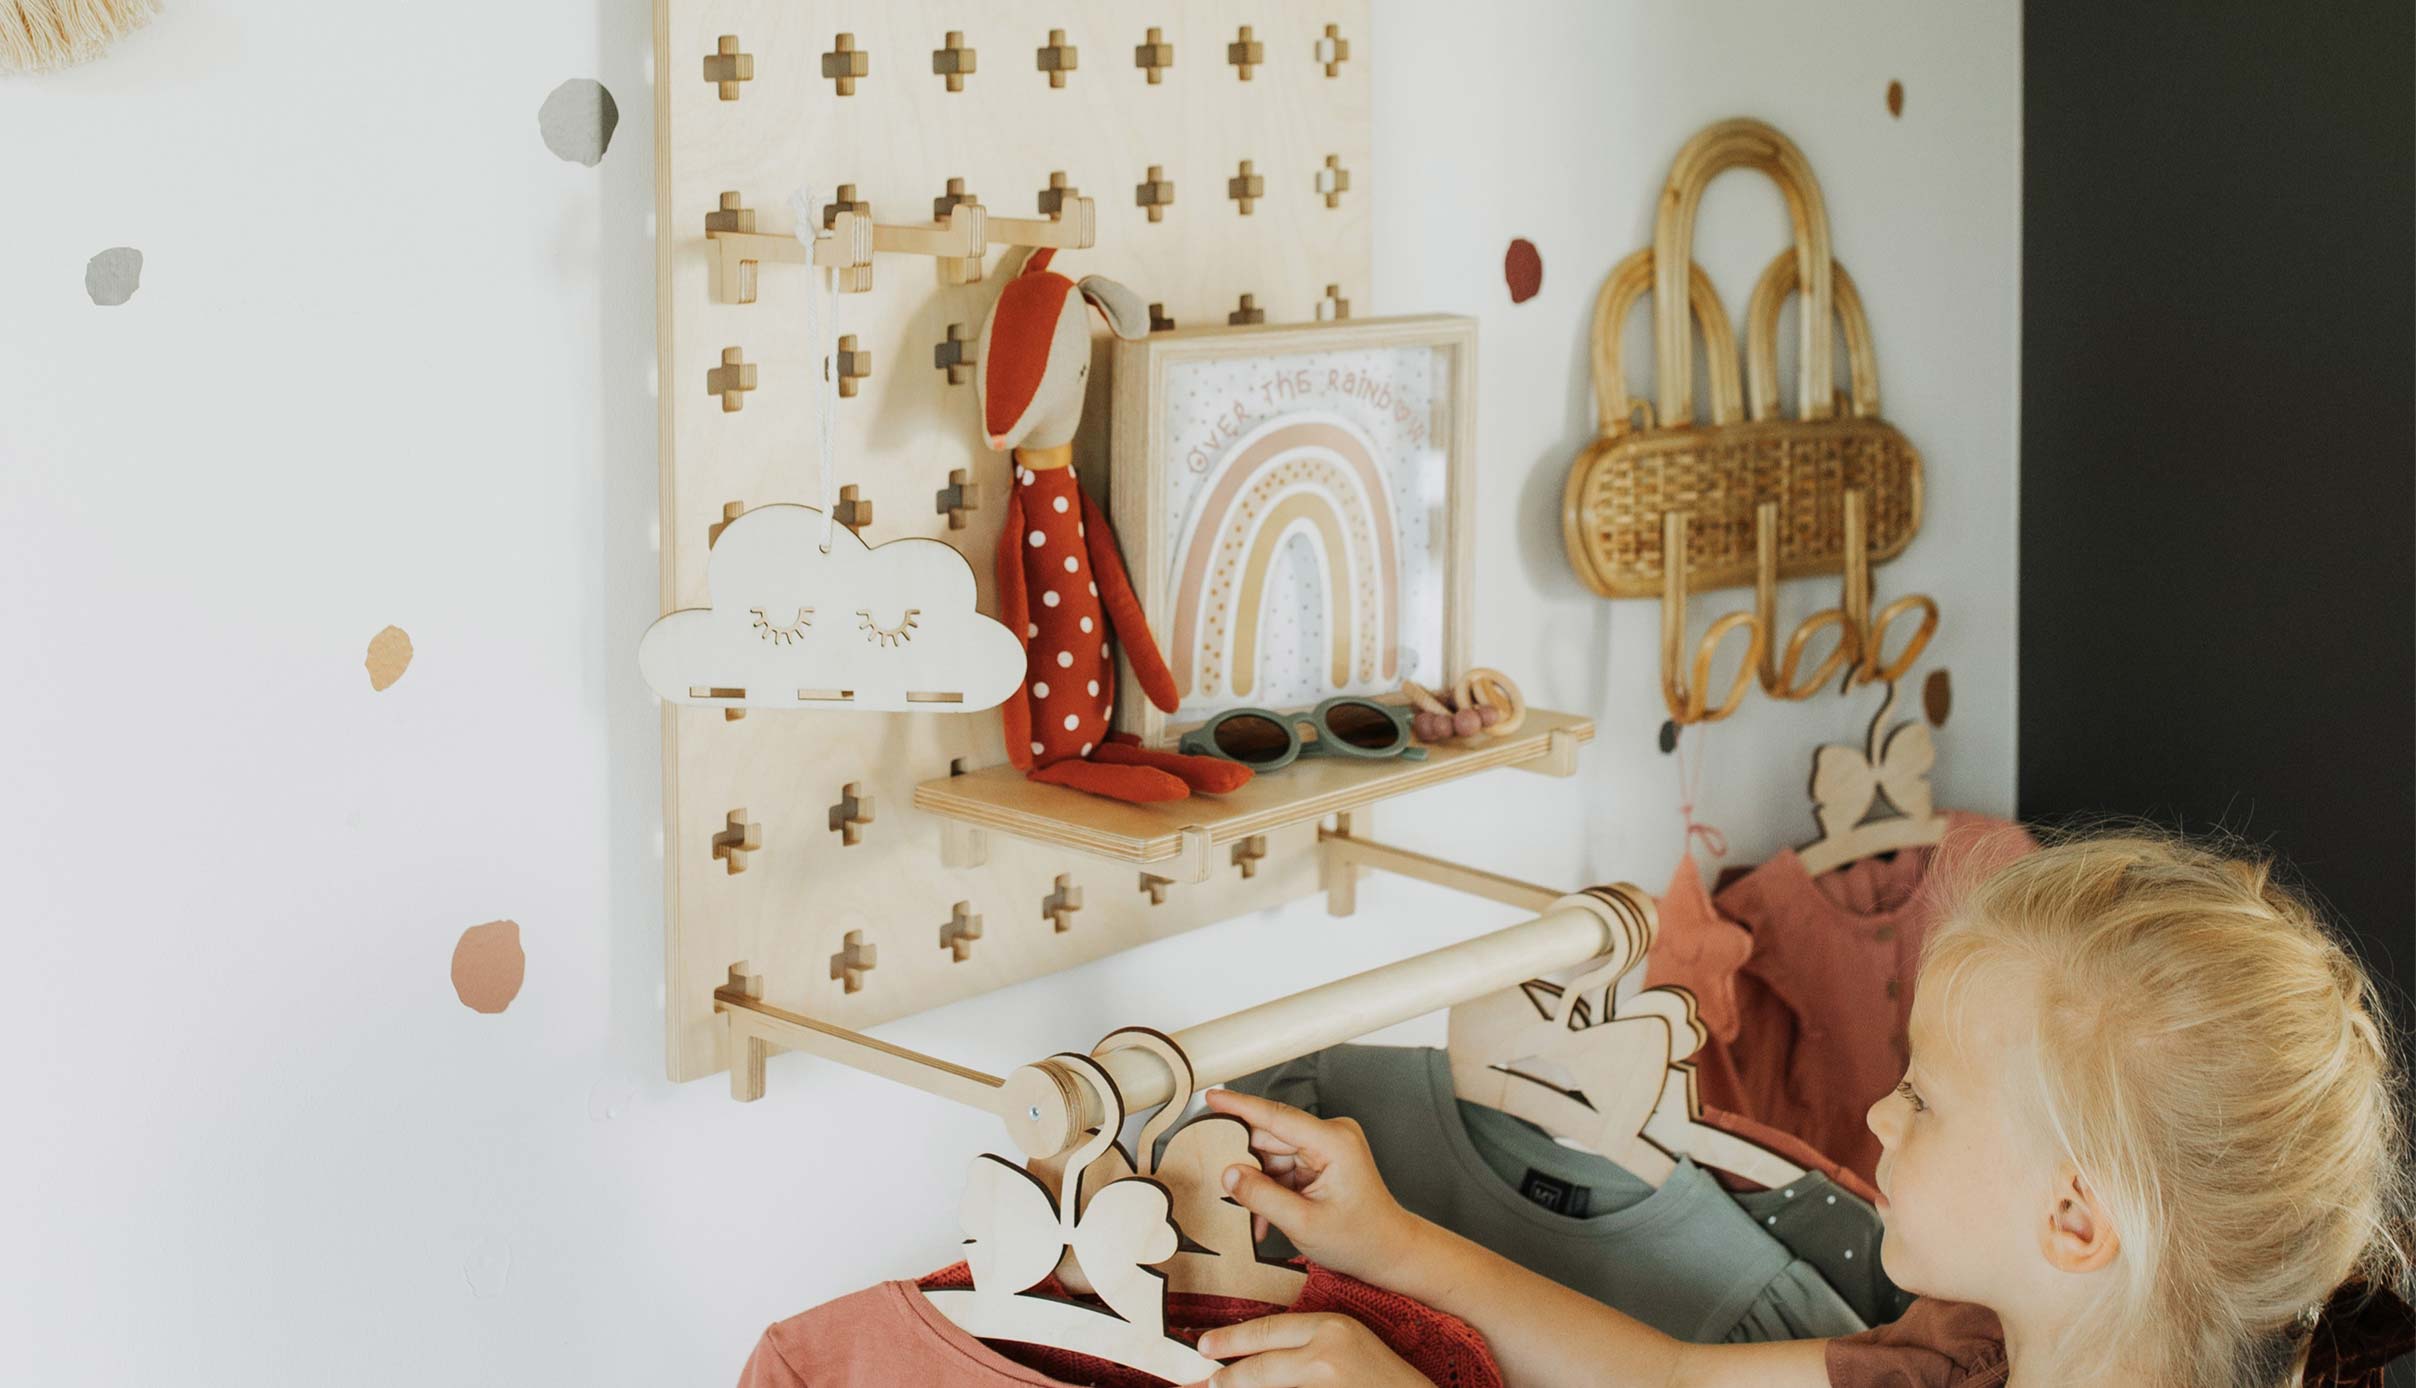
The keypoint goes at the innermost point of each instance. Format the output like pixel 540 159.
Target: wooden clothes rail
pixel 1045 1107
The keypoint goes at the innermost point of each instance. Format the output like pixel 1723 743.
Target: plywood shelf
pixel 1176 839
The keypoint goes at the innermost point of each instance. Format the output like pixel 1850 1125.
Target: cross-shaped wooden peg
pixel 731 380
pixel 1057 58
pixel 1249 853
pixel 1333 50
pixel 726 67
pixel 1155 192
pixel 1246 186
pixel 845 63
pixel 1054 197
pixel 1154 55
pixel 732 845
pixel 851 814
pixel 1245 52
pixel 953 61
pixel 854 960
pixel 1158 321
pixel 730 511
pixel 843 200
pixel 852 363
pixel 960 498
pixel 1249 312
pixel 1156 887
pixel 1059 906
pixel 853 511
pixel 962 929
pixel 733 215
pixel 1333 180
pixel 955 355
pixel 955 197
pixel 1333 306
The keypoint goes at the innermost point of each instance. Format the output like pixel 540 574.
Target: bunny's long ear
pixel 1127 317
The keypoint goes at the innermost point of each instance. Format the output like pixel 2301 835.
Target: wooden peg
pixel 965 269
pixel 852 363
pixel 954 355
pixel 1059 906
pixel 845 63
pixel 1057 57
pixel 732 845
pixel 726 67
pixel 1249 312
pixel 1333 50
pixel 959 499
pixel 1156 887
pixel 1247 186
pixel 962 929
pixel 733 215
pixel 853 511
pixel 747 1051
pixel 843 200
pixel 1245 52
pixel 1333 180
pixel 1154 55
pixel 730 511
pixel 1053 199
pixel 851 814
pixel 1249 853
pixel 731 380
pixel 854 960
pixel 954 61
pixel 1333 307
pixel 1158 321
pixel 1155 192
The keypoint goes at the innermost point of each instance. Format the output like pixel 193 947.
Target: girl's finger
pixel 1305 1132
pixel 1289 1330
pixel 1260 1195
pixel 1282 1368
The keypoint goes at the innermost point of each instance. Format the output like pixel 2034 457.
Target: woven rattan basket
pixel 1720 470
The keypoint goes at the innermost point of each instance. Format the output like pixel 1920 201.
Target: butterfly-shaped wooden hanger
pixel 1219 1258
pixel 1847 782
pixel 1016 1231
pixel 1608 1076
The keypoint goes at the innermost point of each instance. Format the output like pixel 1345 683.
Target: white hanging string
pixel 822 332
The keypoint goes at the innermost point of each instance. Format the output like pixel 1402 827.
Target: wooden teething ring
pixel 1485 687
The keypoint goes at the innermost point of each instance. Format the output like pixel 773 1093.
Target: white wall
pixel 388 363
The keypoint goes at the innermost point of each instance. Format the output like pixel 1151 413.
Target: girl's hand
pixel 1319 1185
pixel 1306 1351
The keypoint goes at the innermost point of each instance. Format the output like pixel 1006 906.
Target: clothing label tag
pixel 1556 1195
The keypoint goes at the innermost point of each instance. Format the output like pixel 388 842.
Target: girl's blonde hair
pixel 2217 1068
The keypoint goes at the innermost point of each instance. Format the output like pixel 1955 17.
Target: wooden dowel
pixel 756 1020
pixel 1527 896
pixel 1043 1115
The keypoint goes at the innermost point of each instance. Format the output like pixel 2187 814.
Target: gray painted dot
pixel 112 276
pixel 577 121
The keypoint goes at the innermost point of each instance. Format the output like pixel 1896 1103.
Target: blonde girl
pixel 2151 1120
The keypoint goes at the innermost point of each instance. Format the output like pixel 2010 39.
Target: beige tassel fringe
pixel 39 34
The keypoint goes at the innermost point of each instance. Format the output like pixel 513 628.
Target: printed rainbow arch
pixel 1312 475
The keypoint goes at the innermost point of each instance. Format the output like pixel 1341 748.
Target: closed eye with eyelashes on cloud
pixel 890 628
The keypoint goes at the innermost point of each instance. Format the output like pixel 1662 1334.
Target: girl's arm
pixel 1321 1188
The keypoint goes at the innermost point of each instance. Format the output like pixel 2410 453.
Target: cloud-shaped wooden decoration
pixel 891 629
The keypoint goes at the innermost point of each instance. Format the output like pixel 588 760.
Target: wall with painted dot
pixel 328 480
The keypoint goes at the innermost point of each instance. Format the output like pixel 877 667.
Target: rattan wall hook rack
pixel 1668 501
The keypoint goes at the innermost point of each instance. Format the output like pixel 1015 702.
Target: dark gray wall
pixel 2219 433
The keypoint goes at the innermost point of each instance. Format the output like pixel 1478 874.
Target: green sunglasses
pixel 1348 725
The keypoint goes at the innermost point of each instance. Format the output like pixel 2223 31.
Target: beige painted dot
pixel 488 966
pixel 1040 690
pixel 389 657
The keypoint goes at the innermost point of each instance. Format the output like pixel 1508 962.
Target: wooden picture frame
pixel 1228 444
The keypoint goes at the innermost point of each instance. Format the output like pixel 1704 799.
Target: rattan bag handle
pixel 1730 144
pixel 1614 408
pixel 1761 339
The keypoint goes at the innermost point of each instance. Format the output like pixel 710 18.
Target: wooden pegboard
pixel 855 921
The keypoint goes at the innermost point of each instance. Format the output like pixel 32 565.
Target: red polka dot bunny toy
pixel 1061 581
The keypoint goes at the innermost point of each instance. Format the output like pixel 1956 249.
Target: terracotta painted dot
pixel 1669 736
pixel 389 657
pixel 488 966
pixel 1938 697
pixel 1896 99
pixel 1524 268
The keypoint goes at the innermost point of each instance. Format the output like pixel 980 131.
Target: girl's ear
pixel 1127 317
pixel 2079 1234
